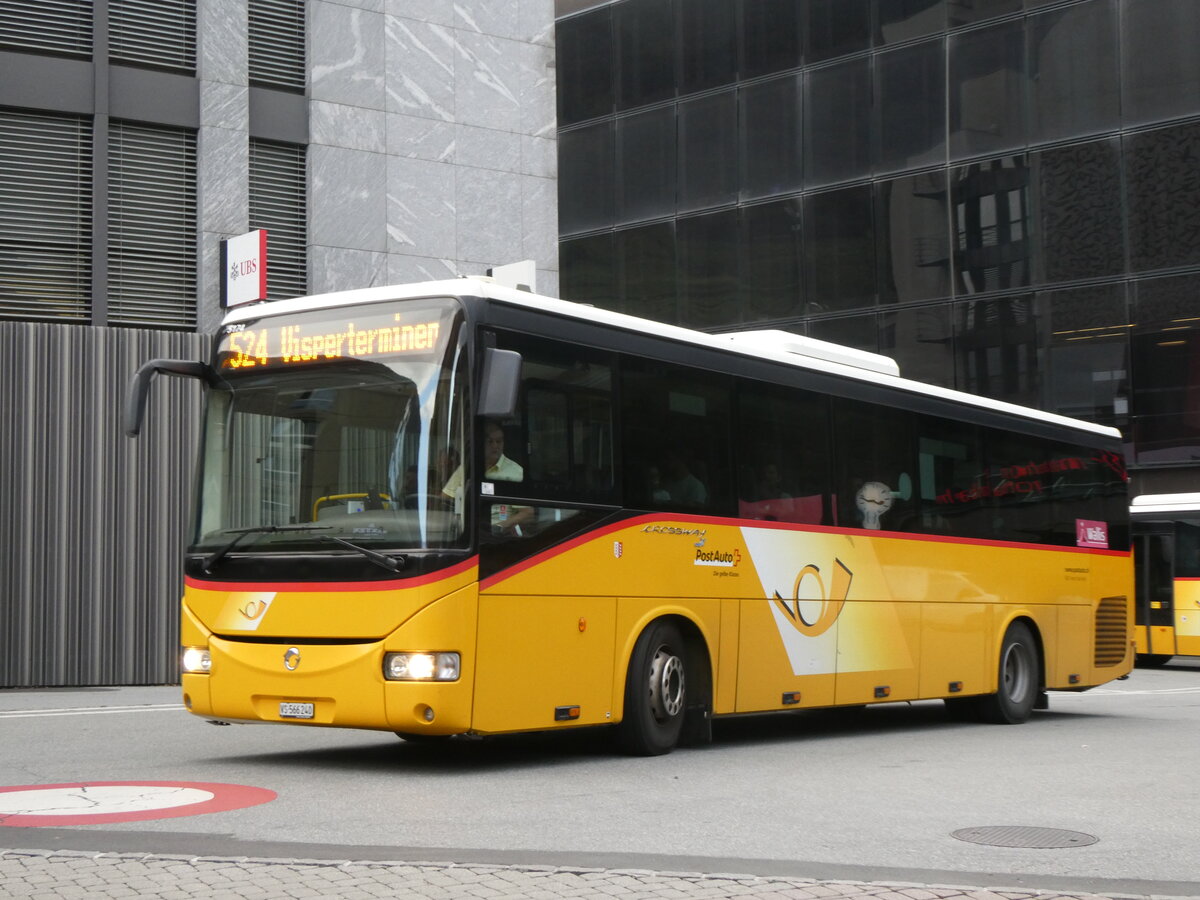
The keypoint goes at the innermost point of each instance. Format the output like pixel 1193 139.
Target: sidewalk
pixel 69 873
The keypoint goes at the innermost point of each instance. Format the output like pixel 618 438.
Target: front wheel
pixel 1018 684
pixel 655 692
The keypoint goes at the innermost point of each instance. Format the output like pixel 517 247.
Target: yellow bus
pixel 453 508
pixel 1166 551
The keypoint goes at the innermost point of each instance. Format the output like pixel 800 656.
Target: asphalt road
pixel 871 795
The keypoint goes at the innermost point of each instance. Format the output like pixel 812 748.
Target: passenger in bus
pixel 683 487
pixel 770 484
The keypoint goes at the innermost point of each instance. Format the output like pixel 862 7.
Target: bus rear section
pixel 1166 543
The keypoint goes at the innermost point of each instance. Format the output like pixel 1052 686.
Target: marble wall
pixel 432 140
pixel 432 148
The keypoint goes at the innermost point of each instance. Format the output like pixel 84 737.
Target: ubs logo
pixel 811 609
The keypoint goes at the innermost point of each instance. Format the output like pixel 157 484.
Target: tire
pixel 655 692
pixel 1018 680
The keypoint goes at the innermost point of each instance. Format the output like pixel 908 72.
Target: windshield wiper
pixel 258 529
pixel 391 563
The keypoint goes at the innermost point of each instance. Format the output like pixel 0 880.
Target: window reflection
pixel 584 66
pixel 646 257
pixel 900 20
pixel 589 271
pixel 707 151
pixel 707 52
pixel 645 33
pixel 911 127
pixel 771 238
pixel 770 37
pixel 914 239
pixel 646 145
pixel 1164 197
pixel 1086 334
pixel 840 249
pixel 1079 210
pixel 708 271
pixel 1165 369
pixel 837 27
pixel 991 221
pixel 585 178
pixel 837 122
pixel 921 340
pixel 769 137
pixel 1160 77
pixel 996 345
pixel 1072 77
pixel 987 90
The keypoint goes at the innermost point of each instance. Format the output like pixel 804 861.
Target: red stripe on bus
pixel 702 521
pixel 332 586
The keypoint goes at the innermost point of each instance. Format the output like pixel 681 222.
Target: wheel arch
pixel 697 642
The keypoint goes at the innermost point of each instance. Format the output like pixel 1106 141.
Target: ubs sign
pixel 244 268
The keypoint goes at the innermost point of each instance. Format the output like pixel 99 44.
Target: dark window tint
pixel 588 271
pixel 647 259
pixel 1079 210
pixel 1160 66
pixel 966 12
pixel 875 466
pixel 948 499
pixel 1166 370
pixel 707 50
pixel 707 152
pixel 921 340
pixel 584 66
pixel 996 345
pixel 585 178
pixel 645 33
pixel 708 270
pixel 770 36
pixel 783 455
pixel 563 433
pixel 771 236
pixel 901 20
pixel 675 435
pixel 987 89
pixel 769 137
pixel 1087 367
pixel 1073 74
pixel 840 249
pixel 837 122
pixel 1162 179
pixel 991 217
pixel 837 27
pixel 912 224
pixel 646 147
pixel 911 106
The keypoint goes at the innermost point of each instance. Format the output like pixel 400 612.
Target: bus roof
pixel 778 346
pixel 1154 504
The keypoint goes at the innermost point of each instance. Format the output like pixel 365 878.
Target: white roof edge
pixel 1159 503
pixel 486 287
pixel 786 342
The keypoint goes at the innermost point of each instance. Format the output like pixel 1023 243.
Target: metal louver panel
pixel 278 204
pixel 160 33
pixel 52 26
pixel 45 216
pixel 151 226
pixel 1112 637
pixel 277 35
pixel 93 536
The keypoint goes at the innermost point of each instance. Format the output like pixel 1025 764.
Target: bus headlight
pixel 421 666
pixel 196 660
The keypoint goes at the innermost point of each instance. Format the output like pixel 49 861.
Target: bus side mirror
pixel 501 378
pixel 135 404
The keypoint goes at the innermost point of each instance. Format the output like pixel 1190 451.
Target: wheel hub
pixel 666 684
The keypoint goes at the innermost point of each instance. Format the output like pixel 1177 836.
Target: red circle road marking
pixel 106 802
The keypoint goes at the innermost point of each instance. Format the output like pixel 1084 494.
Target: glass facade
pixel 1000 194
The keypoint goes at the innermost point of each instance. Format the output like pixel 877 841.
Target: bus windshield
pixel 335 427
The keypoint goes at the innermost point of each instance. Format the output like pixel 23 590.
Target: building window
pixel 47 26
pixel 45 216
pixel 155 33
pixel 278 204
pixel 277 37
pixel 151 226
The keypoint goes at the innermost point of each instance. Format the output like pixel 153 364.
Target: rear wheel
pixel 1018 684
pixel 1153 660
pixel 655 692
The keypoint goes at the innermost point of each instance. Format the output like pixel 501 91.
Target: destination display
pixel 279 342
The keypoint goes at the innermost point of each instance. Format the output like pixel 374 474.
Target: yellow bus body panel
pixel 787 618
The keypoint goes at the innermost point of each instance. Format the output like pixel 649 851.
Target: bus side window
pixel 875 454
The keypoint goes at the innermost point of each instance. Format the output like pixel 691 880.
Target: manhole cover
pixel 1024 836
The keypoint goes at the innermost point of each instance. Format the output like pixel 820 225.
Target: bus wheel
pixel 655 692
pixel 1018 681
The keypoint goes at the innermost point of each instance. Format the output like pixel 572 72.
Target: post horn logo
pixel 291 659
pixel 831 603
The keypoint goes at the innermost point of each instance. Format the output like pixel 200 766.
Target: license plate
pixel 295 710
